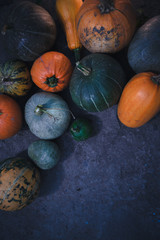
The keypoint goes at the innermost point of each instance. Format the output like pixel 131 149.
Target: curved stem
pixel 106 6
pixel 156 79
pixel 85 70
pixel 52 81
pixel 39 110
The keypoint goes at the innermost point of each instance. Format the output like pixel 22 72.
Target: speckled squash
pixel 15 78
pixel 19 183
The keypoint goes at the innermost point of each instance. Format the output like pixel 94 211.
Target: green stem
pixel 52 81
pixel 106 6
pixel 77 54
pixel 85 70
pixel 156 79
pixel 1 113
pixel 39 110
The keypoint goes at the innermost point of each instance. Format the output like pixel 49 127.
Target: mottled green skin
pixel 102 88
pixel 20 192
pixel 45 154
pixel 81 129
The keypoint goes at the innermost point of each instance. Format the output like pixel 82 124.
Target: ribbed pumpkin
pixel 144 49
pixel 19 183
pixel 15 78
pixel 97 82
pixel 52 71
pixel 106 25
pixel 28 31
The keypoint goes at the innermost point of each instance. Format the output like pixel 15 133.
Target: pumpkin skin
pixel 10 117
pixel 144 49
pixel 28 31
pixel 15 78
pixel 101 87
pixel 45 154
pixel 81 129
pixel 140 100
pixel 19 186
pixel 47 115
pixel 105 26
pixel 52 71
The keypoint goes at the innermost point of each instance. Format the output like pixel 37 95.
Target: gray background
pixel 106 188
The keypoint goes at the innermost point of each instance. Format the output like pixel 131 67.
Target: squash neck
pixel 106 6
pixel 52 81
pixel 156 79
pixel 85 70
pixel 77 54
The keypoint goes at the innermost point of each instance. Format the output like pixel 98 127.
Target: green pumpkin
pixel 97 82
pixel 81 129
pixel 15 78
pixel 19 183
pixel 45 154
pixel 28 31
pixel 47 115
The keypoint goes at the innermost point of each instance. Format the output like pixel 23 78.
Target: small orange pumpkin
pixel 52 71
pixel 140 100
pixel 105 25
pixel 10 117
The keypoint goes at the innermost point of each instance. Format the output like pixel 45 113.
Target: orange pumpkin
pixel 140 100
pixel 106 25
pixel 10 117
pixel 52 71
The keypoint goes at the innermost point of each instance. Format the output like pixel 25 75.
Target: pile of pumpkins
pixel 96 83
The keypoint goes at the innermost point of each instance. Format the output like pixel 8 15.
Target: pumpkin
pixel 28 31
pixel 47 115
pixel 144 49
pixel 19 183
pixel 97 82
pixel 106 25
pixel 81 129
pixel 10 117
pixel 15 78
pixel 67 11
pixel 52 71
pixel 45 154
pixel 140 100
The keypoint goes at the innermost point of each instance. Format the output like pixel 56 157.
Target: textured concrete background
pixel 106 188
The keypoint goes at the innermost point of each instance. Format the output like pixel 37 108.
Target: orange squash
pixel 67 11
pixel 140 100
pixel 105 25
pixel 10 117
pixel 52 71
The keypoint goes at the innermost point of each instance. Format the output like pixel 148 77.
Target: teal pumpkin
pixel 81 129
pixel 19 183
pixel 144 49
pixel 47 115
pixel 15 78
pixel 45 154
pixel 28 31
pixel 97 82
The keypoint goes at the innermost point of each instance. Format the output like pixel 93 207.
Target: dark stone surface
pixel 107 187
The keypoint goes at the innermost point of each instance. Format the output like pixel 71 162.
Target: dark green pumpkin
pixel 19 183
pixel 28 31
pixel 97 82
pixel 15 78
pixel 81 129
pixel 144 49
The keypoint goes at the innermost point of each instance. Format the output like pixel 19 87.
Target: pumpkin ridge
pixel 102 95
pixel 36 54
pixel 115 81
pixel 90 95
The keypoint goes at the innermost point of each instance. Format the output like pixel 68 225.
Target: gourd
pixel 144 49
pixel 28 31
pixel 19 183
pixel 67 11
pixel 81 129
pixel 10 117
pixel 45 154
pixel 47 115
pixel 97 82
pixel 106 25
pixel 52 71
pixel 15 78
pixel 140 100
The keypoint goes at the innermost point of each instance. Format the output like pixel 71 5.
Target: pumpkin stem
pixel 85 70
pixel 156 79
pixel 5 28
pixel 77 54
pixel 39 110
pixel 1 113
pixel 106 6
pixel 52 81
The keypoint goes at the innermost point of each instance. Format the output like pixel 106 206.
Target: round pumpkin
pixel 47 115
pixel 140 100
pixel 97 82
pixel 28 31
pixel 15 78
pixel 144 49
pixel 52 71
pixel 19 183
pixel 45 154
pixel 106 25
pixel 10 117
